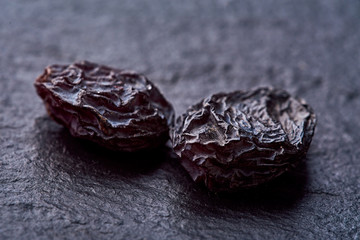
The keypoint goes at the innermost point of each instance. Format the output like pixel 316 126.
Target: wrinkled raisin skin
pixel 244 138
pixel 118 109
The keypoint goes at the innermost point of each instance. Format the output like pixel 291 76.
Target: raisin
pixel 118 109
pixel 242 139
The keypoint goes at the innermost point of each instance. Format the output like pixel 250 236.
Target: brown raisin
pixel 119 109
pixel 241 139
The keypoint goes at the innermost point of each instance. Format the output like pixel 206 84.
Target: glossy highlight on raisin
pixel 241 139
pixel 118 109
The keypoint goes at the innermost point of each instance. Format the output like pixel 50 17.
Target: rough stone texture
pixel 55 186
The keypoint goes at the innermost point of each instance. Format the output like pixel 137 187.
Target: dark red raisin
pixel 241 139
pixel 119 109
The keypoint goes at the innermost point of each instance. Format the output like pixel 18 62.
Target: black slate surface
pixel 55 186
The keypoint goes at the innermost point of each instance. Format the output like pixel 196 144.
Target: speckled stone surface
pixel 56 187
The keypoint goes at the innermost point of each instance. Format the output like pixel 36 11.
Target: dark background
pixel 54 186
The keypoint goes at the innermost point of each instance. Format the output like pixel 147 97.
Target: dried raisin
pixel 241 139
pixel 118 109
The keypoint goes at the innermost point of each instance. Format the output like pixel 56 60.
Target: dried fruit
pixel 118 109
pixel 242 139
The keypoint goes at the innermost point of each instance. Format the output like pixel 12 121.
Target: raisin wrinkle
pixel 241 139
pixel 119 109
